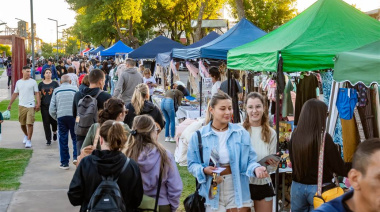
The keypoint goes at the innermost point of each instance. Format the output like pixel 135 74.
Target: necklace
pixel 220 130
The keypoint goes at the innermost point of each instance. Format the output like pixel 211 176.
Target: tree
pixel 266 14
pixel 240 10
pixel 47 50
pixel 6 49
pixel 198 28
pixel 72 46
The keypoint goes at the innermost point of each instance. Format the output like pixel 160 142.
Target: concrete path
pixel 5 93
pixel 44 186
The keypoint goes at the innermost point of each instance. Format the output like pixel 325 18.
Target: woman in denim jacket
pixel 225 145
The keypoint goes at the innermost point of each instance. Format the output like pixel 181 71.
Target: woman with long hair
pixel 171 100
pixel 228 146
pixel 141 105
pixel 304 153
pixel 114 109
pixel 152 158
pixel 264 141
pixel 106 71
pixel 215 78
pixel 82 69
pixel 107 162
pixel 46 88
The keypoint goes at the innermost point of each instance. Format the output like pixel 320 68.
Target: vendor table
pixel 156 99
pixel 283 172
pixel 189 112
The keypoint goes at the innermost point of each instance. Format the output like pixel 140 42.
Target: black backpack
pixel 87 114
pixel 107 196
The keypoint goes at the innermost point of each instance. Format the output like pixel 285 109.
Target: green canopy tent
pixel 359 65
pixel 309 41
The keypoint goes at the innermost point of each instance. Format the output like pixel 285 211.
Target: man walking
pixel 26 88
pixel 50 66
pixel 96 78
pixel 127 82
pixel 61 110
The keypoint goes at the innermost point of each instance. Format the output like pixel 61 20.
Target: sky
pixel 59 10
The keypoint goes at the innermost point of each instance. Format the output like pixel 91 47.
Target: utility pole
pixel 56 22
pixel 32 31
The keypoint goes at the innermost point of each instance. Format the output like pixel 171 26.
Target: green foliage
pixel 47 50
pixel 72 45
pixel 267 14
pixel 6 49
pixel 13 163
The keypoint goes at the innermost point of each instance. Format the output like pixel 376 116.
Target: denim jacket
pixel 242 162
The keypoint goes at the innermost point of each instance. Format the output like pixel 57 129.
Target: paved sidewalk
pixel 44 185
pixel 5 93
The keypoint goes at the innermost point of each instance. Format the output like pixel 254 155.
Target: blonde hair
pixel 214 100
pixel 141 138
pixel 138 97
pixel 147 71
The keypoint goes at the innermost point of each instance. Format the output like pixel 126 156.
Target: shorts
pixel 260 192
pixel 346 103
pixel 227 196
pixel 26 115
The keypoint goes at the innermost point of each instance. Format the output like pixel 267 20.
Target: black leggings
pixel 9 80
pixel 47 120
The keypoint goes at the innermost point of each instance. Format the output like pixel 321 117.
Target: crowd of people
pixel 107 107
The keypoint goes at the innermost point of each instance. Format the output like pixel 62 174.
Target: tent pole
pixel 277 176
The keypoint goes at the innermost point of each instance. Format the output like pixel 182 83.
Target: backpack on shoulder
pixel 87 114
pixel 107 196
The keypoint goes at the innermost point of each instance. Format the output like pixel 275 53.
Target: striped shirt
pixel 62 101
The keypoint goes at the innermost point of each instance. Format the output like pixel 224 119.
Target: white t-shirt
pixel 215 87
pixel 26 90
pixel 262 149
pixel 74 79
pixel 224 155
pixel 151 88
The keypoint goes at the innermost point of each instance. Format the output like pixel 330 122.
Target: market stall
pixel 118 47
pixel 97 50
pixel 306 43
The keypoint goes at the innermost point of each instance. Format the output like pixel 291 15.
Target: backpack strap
pixel 158 191
pixel 100 91
pixel 97 134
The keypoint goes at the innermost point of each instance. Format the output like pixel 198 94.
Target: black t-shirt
pixel 333 163
pixel 47 92
pixel 61 70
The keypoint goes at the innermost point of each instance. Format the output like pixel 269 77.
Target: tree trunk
pixel 121 36
pixel 240 9
pixel 198 29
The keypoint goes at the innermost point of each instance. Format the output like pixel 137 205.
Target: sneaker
pixel 48 143
pixel 25 139
pixel 28 144
pixel 172 140
pixel 167 139
pixel 54 136
pixel 75 162
pixel 64 166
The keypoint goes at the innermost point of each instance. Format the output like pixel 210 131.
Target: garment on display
pixel 306 89
pixel 346 102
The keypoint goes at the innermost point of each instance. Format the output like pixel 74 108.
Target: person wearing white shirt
pixel 215 78
pixel 149 80
pixel 264 142
pixel 27 91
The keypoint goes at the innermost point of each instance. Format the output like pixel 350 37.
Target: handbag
pixel 151 204
pixel 89 149
pixel 327 192
pixel 7 115
pixel 195 202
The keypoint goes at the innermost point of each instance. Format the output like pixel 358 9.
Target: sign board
pixel 216 23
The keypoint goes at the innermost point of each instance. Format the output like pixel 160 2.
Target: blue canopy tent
pixel 242 33
pixel 163 59
pixel 86 53
pixel 95 51
pixel 118 47
pixel 158 45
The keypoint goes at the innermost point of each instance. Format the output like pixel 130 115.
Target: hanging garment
pixel 359 125
pixel 375 109
pixel 350 138
pixel 330 90
pixel 362 91
pixel 306 89
pixel 366 115
pixel 287 106
pixel 346 102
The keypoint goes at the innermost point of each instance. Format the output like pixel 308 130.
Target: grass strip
pixel 14 111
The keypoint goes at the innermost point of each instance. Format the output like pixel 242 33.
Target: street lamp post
pixel 57 32
pixel 32 31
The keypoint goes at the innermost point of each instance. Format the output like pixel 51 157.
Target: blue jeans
pixel 66 124
pixel 302 197
pixel 167 107
pixel 112 87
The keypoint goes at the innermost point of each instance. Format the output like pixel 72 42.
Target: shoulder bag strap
pixel 320 165
pixel 97 134
pixel 158 191
pixel 200 146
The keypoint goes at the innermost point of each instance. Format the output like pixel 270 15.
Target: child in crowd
pixel 149 80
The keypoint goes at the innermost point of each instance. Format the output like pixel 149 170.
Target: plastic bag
pixel 7 115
